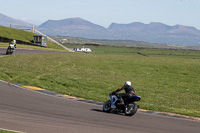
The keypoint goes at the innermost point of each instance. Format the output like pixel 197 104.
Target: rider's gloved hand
pixel 114 92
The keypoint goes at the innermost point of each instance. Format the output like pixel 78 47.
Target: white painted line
pixel 3 81
pixel 11 130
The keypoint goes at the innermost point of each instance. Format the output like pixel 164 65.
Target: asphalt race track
pixel 33 112
pixel 26 51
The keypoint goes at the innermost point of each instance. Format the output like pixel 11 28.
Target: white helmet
pixel 128 83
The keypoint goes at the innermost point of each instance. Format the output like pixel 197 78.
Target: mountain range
pixel 154 32
pixel 15 23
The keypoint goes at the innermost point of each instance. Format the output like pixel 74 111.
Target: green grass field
pixel 142 51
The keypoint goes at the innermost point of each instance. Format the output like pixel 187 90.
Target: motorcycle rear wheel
pixel 107 106
pixel 131 109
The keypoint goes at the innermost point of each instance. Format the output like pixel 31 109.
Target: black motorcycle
pixel 129 107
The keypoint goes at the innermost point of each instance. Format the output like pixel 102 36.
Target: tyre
pixel 8 51
pixel 131 109
pixel 107 106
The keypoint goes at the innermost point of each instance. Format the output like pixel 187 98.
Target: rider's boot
pixel 113 106
pixel 121 101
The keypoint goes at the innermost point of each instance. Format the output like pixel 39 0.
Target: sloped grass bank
pixel 16 34
pixel 25 36
pixel 165 84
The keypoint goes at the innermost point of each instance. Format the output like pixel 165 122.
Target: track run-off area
pixel 30 111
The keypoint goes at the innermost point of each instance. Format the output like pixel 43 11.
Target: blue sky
pixel 105 12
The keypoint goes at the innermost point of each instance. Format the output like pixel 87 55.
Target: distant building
pixel 83 49
pixel 40 40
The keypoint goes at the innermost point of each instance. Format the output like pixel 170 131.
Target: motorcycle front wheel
pixel 107 106
pixel 131 109
pixel 8 51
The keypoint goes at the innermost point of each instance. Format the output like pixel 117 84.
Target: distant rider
pixel 128 89
pixel 12 44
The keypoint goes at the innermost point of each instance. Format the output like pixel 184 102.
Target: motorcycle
pixel 129 107
pixel 10 49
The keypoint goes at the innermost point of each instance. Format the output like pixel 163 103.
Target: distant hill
pixel 75 27
pixel 158 33
pixel 155 28
pixel 73 23
pixel 153 32
pixel 6 21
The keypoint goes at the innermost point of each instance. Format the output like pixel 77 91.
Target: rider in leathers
pixel 128 89
pixel 13 44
